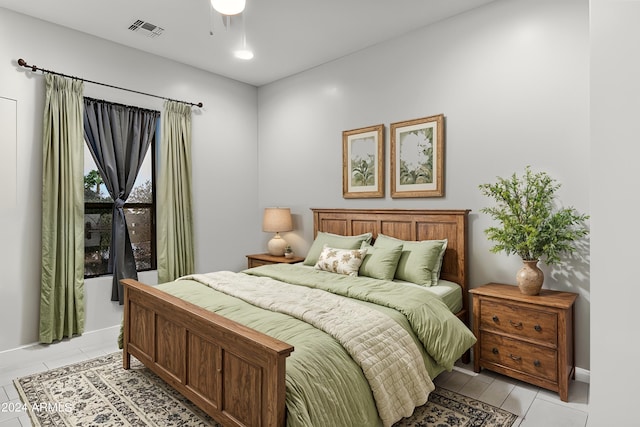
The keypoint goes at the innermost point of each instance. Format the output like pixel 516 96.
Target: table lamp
pixel 277 220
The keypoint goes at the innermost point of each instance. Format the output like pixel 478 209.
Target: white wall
pixel 512 80
pixel 224 136
pixel 615 148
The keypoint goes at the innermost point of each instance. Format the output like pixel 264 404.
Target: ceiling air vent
pixel 146 28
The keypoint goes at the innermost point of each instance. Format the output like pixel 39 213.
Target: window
pixel 139 212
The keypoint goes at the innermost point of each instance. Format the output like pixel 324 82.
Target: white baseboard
pixel 583 375
pixel 87 338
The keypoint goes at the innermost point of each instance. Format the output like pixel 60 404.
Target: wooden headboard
pixel 407 224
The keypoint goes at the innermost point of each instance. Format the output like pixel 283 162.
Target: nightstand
pixel 265 259
pixel 525 337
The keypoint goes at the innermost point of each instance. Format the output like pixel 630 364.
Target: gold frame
pixel 433 188
pixel 376 188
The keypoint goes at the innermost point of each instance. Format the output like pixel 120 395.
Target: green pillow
pixel 380 263
pixel 334 241
pixel 420 262
pixel 436 273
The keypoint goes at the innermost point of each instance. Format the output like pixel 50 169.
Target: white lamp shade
pixel 228 7
pixel 276 220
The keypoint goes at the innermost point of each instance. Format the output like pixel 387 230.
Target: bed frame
pixel 234 373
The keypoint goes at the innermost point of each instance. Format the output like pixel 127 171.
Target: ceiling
pixel 286 36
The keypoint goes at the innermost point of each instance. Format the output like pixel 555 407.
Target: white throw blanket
pixel 387 354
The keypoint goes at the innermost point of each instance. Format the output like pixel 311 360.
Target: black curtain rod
pixel 120 105
pixel 34 68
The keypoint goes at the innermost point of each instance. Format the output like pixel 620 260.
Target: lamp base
pixel 276 245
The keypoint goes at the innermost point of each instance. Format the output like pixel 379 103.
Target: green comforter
pixel 325 387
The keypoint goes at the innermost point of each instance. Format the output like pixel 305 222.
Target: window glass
pixel 139 212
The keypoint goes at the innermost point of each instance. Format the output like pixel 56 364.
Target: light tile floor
pixel 535 407
pixel 30 360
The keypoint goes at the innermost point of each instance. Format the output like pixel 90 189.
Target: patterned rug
pixel 99 392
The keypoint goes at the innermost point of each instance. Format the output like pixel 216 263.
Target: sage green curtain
pixel 62 308
pixel 175 218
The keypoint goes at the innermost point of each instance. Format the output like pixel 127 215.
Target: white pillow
pixel 341 261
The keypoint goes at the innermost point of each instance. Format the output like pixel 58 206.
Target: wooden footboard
pixel 234 373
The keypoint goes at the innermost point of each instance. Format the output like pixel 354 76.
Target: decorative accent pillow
pixel 380 263
pixel 420 262
pixel 341 261
pixel 334 241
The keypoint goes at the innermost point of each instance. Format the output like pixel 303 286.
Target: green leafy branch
pixel 530 228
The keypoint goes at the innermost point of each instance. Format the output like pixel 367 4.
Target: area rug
pixel 99 392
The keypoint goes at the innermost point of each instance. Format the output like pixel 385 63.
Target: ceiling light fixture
pixel 245 54
pixel 228 7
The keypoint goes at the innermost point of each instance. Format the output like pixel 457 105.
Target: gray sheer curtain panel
pixel 118 137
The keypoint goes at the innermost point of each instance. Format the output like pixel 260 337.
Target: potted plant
pixel 530 224
pixel 288 252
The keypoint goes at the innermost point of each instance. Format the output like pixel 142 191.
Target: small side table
pixel 257 260
pixel 525 337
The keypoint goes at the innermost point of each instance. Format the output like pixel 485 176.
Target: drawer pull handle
pixel 494 350
pixel 495 319
pixel 537 328
pixel 516 325
pixel 536 363
pixel 516 358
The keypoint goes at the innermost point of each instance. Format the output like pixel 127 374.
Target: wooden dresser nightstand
pixel 525 337
pixel 257 260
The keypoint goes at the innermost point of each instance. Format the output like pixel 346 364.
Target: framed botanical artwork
pixel 417 157
pixel 363 162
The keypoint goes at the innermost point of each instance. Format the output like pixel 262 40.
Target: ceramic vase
pixel 530 278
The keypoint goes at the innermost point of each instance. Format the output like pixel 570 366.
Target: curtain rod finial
pixel 199 104
pixel 23 63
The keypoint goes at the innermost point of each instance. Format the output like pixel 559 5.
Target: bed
pixel 242 369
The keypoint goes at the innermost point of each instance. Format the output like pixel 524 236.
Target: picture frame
pixel 417 157
pixel 363 162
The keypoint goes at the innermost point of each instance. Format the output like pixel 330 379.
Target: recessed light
pixel 245 54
